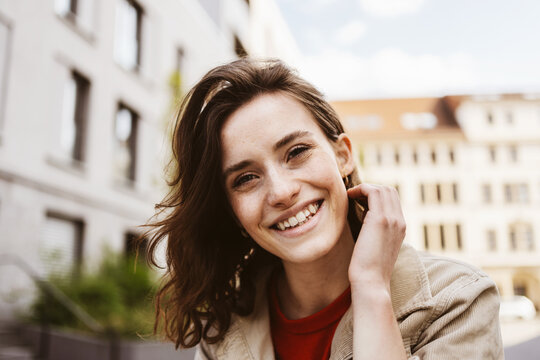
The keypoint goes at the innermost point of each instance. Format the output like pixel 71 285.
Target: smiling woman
pixel 275 249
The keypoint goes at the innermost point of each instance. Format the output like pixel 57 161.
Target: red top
pixel 309 337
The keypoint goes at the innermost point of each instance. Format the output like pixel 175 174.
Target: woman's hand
pixel 379 241
pixel 376 333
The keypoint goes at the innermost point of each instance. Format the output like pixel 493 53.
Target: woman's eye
pixel 243 179
pixel 297 151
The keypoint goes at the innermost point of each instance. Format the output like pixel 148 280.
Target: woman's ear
pixel 344 155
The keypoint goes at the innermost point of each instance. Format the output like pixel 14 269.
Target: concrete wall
pixel 36 178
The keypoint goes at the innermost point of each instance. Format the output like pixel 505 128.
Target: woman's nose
pixel 283 190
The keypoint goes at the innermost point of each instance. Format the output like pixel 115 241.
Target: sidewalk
pixel 518 331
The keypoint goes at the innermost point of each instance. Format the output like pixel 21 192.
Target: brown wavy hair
pixel 211 269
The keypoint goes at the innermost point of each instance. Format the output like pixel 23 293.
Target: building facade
pixel 88 89
pixel 467 170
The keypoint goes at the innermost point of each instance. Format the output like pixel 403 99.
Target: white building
pixel 467 169
pixel 87 88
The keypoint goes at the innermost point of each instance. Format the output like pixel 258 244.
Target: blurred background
pixel 441 98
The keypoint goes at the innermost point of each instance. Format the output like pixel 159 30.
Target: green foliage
pixel 175 83
pixel 118 296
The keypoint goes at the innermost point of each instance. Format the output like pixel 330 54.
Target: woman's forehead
pixel 265 117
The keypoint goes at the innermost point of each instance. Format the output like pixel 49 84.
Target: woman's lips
pixel 299 218
pixel 303 223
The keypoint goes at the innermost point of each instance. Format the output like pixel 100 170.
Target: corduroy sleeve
pixel 464 323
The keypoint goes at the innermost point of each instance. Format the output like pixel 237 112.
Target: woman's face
pixel 283 178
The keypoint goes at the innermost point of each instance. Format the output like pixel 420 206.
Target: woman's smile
pixel 300 223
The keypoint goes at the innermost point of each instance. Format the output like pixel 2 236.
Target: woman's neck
pixel 304 289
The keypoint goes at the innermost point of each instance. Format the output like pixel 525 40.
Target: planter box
pixel 59 345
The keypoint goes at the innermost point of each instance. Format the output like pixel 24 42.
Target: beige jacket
pixel 445 310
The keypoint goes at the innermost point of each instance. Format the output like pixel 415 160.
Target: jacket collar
pixel 251 336
pixel 409 285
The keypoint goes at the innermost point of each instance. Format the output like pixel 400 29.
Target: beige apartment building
pixel 468 172
pixel 87 90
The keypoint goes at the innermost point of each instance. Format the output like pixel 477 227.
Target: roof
pixel 399 118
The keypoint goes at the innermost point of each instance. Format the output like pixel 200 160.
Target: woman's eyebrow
pixel 236 167
pixel 282 142
pixel 290 137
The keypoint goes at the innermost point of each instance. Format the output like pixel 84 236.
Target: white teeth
pixel 300 218
pixel 293 221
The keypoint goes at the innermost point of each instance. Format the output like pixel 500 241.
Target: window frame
pixel 79 239
pixel 118 57
pixel 79 118
pixel 132 142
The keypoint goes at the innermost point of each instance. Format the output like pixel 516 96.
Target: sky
pixel 409 48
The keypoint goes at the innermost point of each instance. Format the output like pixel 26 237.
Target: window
pixel 451 237
pixel 459 241
pixel 455 195
pixel 433 156
pixel 74 110
pixel 516 193
pixel 492 153
pixel 513 239
pixel 78 12
pixel 127 42
pixel 60 248
pixel 491 236
pixel 125 132
pixel 378 156
pixel 489 117
pixel 239 48
pixel 520 289
pixel 439 193
pixel 508 197
pixel 509 118
pixel 529 238
pixel 4 53
pixel 523 193
pixel 513 154
pixel 415 156
pixel 451 155
pixel 521 237
pixel 441 231
pixel 440 237
pixel 67 8
pixel 430 193
pixel 486 193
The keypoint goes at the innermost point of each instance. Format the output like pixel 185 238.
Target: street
pixel 521 339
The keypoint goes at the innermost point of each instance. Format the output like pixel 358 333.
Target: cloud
pixel 389 73
pixel 350 32
pixel 390 8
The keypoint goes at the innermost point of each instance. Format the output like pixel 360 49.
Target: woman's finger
pixel 375 195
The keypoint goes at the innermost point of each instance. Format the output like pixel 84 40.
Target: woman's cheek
pixel 246 209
